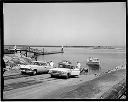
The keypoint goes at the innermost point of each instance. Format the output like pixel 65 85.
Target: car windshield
pixel 35 63
pixel 96 59
pixel 40 64
pixel 43 64
pixel 65 66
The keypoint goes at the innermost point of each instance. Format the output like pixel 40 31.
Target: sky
pixel 77 24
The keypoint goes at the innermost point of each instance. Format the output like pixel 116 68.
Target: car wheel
pixel 77 76
pixel 34 72
pixel 67 76
pixel 52 76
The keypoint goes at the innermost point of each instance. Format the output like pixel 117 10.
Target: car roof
pixel 64 63
pixel 96 58
pixel 40 61
pixel 93 58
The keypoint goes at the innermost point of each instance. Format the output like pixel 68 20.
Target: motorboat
pixel 93 61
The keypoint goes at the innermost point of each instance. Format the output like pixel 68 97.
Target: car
pixel 35 67
pixel 64 69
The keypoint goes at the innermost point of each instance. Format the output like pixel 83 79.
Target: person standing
pixel 62 48
pixel 85 70
pixel 78 65
pixel 51 64
pixel 15 49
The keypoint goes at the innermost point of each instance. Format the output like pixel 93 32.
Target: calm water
pixel 110 58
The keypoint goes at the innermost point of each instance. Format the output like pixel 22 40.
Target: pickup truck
pixel 65 69
pixel 35 67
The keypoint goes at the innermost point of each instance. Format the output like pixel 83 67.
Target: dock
pixel 30 50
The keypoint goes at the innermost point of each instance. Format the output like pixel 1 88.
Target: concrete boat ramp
pixel 84 87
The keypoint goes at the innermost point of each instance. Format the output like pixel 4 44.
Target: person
pixel 51 63
pixel 67 62
pixel 15 49
pixel 48 63
pixel 62 49
pixel 78 65
pixel 85 70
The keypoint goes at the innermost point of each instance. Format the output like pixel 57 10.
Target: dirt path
pixel 86 86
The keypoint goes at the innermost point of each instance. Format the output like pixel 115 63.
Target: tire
pixel 52 76
pixel 34 72
pixel 77 76
pixel 68 75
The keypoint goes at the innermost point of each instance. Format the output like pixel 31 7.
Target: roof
pixel 66 63
pixel 40 61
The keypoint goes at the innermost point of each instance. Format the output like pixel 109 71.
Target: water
pixel 110 58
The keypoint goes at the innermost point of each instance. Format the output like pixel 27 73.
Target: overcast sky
pixel 65 23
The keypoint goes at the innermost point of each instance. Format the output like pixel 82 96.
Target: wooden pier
pixel 31 50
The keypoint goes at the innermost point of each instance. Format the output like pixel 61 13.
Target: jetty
pixel 27 49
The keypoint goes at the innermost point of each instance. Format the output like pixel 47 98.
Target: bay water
pixel 110 58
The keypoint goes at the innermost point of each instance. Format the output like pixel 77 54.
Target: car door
pixel 75 71
pixel 48 67
pixel 40 68
pixel 44 67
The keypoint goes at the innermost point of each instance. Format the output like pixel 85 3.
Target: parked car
pixel 65 69
pixel 35 67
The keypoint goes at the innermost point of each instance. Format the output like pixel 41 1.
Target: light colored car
pixel 35 67
pixel 65 69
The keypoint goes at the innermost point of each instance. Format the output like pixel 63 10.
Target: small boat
pixel 93 61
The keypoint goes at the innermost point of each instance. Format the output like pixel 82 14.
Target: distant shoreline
pixel 94 47
pixel 56 46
